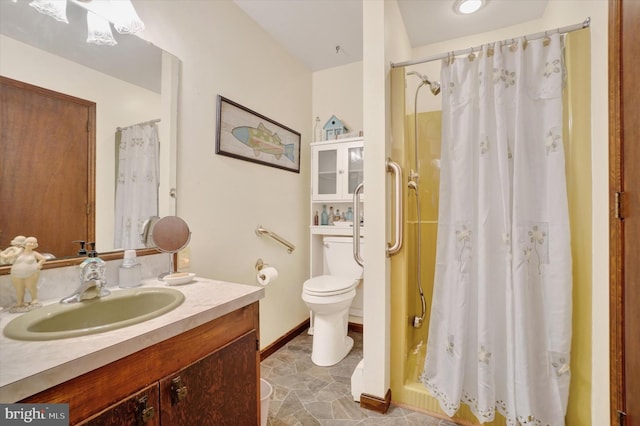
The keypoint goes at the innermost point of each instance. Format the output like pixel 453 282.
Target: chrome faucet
pixel 93 280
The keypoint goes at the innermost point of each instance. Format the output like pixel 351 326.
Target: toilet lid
pixel 326 284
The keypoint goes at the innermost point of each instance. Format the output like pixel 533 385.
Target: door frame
pixel 616 225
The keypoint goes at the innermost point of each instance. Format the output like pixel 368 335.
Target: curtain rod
pixel 156 120
pixel 562 30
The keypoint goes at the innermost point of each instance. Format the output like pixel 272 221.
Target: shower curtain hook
pixel 514 45
pixel 525 43
pixel 546 41
pixel 471 56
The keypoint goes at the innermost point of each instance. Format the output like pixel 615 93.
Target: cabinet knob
pixel 178 390
pixel 144 413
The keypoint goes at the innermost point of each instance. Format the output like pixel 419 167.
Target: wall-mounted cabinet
pixel 337 167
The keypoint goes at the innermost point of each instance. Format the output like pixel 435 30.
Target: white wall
pixel 118 103
pixel 338 91
pixel 223 199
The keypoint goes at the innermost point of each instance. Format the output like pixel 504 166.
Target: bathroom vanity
pixel 197 364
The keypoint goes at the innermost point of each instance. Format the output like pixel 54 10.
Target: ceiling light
pixel 466 7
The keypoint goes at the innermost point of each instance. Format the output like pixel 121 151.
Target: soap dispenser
pixel 94 269
pixel 82 251
pixel 130 272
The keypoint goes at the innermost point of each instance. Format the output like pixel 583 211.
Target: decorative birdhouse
pixel 333 128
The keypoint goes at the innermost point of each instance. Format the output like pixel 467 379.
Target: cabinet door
pixel 220 389
pixel 353 168
pixel 325 172
pixel 337 169
pixel 140 409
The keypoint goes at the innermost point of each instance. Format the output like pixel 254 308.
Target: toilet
pixel 329 298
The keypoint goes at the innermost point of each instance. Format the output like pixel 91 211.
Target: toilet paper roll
pixel 266 275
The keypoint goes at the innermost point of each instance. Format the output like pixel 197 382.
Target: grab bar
pixel 395 169
pixel 356 224
pixel 264 231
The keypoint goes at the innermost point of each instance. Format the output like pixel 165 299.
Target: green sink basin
pixel 120 309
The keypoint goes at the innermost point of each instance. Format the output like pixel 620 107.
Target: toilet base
pixel 320 358
pixel 330 342
pixel 329 326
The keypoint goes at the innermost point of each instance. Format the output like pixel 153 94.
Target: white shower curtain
pixel 137 183
pixel 500 329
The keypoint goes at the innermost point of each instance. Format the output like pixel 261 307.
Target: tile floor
pixel 305 394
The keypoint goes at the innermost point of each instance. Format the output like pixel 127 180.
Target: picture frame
pixel 247 135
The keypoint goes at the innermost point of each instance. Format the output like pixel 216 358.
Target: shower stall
pixel 417 148
pixel 416 117
pixel 430 127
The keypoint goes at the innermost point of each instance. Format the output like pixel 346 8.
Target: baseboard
pixel 374 403
pixel 356 328
pixel 291 334
pixel 282 341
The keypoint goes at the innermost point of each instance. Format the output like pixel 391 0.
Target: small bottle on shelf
pixel 324 218
pixel 331 217
pixel 315 219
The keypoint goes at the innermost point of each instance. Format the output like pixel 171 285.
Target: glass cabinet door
pixel 337 169
pixel 325 179
pixel 355 168
pixel 327 172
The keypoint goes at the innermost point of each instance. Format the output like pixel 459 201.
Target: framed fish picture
pixel 248 135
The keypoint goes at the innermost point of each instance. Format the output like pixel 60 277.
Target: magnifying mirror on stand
pixel 170 235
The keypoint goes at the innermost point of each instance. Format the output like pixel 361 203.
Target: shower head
pixel 434 86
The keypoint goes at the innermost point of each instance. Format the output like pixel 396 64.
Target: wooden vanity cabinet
pixel 206 376
pixel 137 410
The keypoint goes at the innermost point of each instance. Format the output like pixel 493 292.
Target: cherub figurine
pixel 8 255
pixel 25 273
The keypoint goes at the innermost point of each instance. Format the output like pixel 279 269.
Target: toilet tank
pixel 338 257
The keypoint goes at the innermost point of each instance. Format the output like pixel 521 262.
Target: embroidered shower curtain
pixel 500 328
pixel 137 183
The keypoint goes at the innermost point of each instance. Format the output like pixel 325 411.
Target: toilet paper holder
pixel 259 265
pixel 265 274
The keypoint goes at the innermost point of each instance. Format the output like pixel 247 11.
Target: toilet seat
pixel 329 285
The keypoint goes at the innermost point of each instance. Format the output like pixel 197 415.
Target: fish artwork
pixel 261 139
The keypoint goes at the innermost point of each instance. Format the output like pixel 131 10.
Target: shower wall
pixel 408 344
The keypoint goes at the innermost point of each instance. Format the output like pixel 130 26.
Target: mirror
pixel 130 83
pixel 170 235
